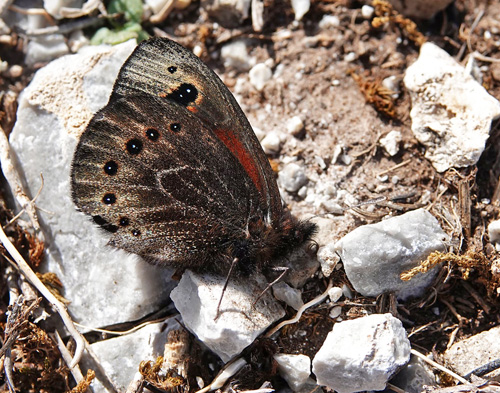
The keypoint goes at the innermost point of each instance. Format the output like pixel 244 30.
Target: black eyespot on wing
pixel 104 224
pixel 172 69
pixel 136 232
pixel 124 221
pixel 109 199
pixel 152 134
pixel 185 94
pixel 110 168
pixel 134 146
pixel 175 127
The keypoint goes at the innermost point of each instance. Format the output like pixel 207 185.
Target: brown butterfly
pixel 172 169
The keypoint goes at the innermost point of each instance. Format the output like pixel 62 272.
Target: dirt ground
pixel 343 103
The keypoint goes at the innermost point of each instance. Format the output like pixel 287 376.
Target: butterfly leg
pixel 284 270
pixel 233 264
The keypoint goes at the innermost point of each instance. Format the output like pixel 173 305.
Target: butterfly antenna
pixel 233 264
pixel 270 285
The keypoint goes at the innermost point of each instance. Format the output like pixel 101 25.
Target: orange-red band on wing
pixel 242 154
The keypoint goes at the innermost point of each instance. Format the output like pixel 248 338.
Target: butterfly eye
pixel 110 168
pixel 134 146
pixel 109 199
pixel 172 69
pixel 152 134
pixel 175 127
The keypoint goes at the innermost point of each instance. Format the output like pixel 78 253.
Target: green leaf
pixel 112 37
pixel 132 9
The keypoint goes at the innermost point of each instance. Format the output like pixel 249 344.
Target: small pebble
pixel 494 233
pixel 300 8
pixel 302 193
pixel 328 259
pixel 292 177
pixel 367 11
pixel 335 312
pixel 295 125
pixel 235 55
pixel 291 296
pixel 259 75
pixel 198 50
pixel 391 141
pixel 259 133
pixel 15 71
pixel 329 21
pixel 271 143
pixel 391 83
pixel 350 57
pixel 335 293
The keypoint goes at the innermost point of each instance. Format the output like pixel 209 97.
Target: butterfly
pixel 172 169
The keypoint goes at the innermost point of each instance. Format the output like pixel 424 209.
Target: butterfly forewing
pixel 151 173
pixel 165 69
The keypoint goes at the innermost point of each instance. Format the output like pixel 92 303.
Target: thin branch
pixel 301 310
pixel 31 276
pixel 439 367
pixel 14 180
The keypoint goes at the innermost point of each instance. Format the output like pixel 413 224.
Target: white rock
pixel 46 48
pixel 466 355
pixel 362 354
pixel 259 75
pixel 350 57
pixel 367 11
pixel 121 356
pixel 294 369
pixel 259 133
pixel 300 8
pixel 494 233
pixel 415 376
pixel 329 21
pixel 53 7
pixel 271 143
pixel 375 255
pixel 391 142
pixel 229 13
pixel 391 83
pixel 196 297
pixel 105 285
pixel 335 312
pixel 235 55
pixel 155 5
pixel 421 9
pixel 335 293
pixel 291 296
pixel 451 113
pixel 302 193
pixel 328 258
pixel 292 177
pixel 294 125
pixel 77 40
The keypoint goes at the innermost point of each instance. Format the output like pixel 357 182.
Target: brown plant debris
pixel 466 262
pixel 152 373
pixel 386 14
pixel 376 94
pixel 37 362
pixel 84 384
pixel 54 284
